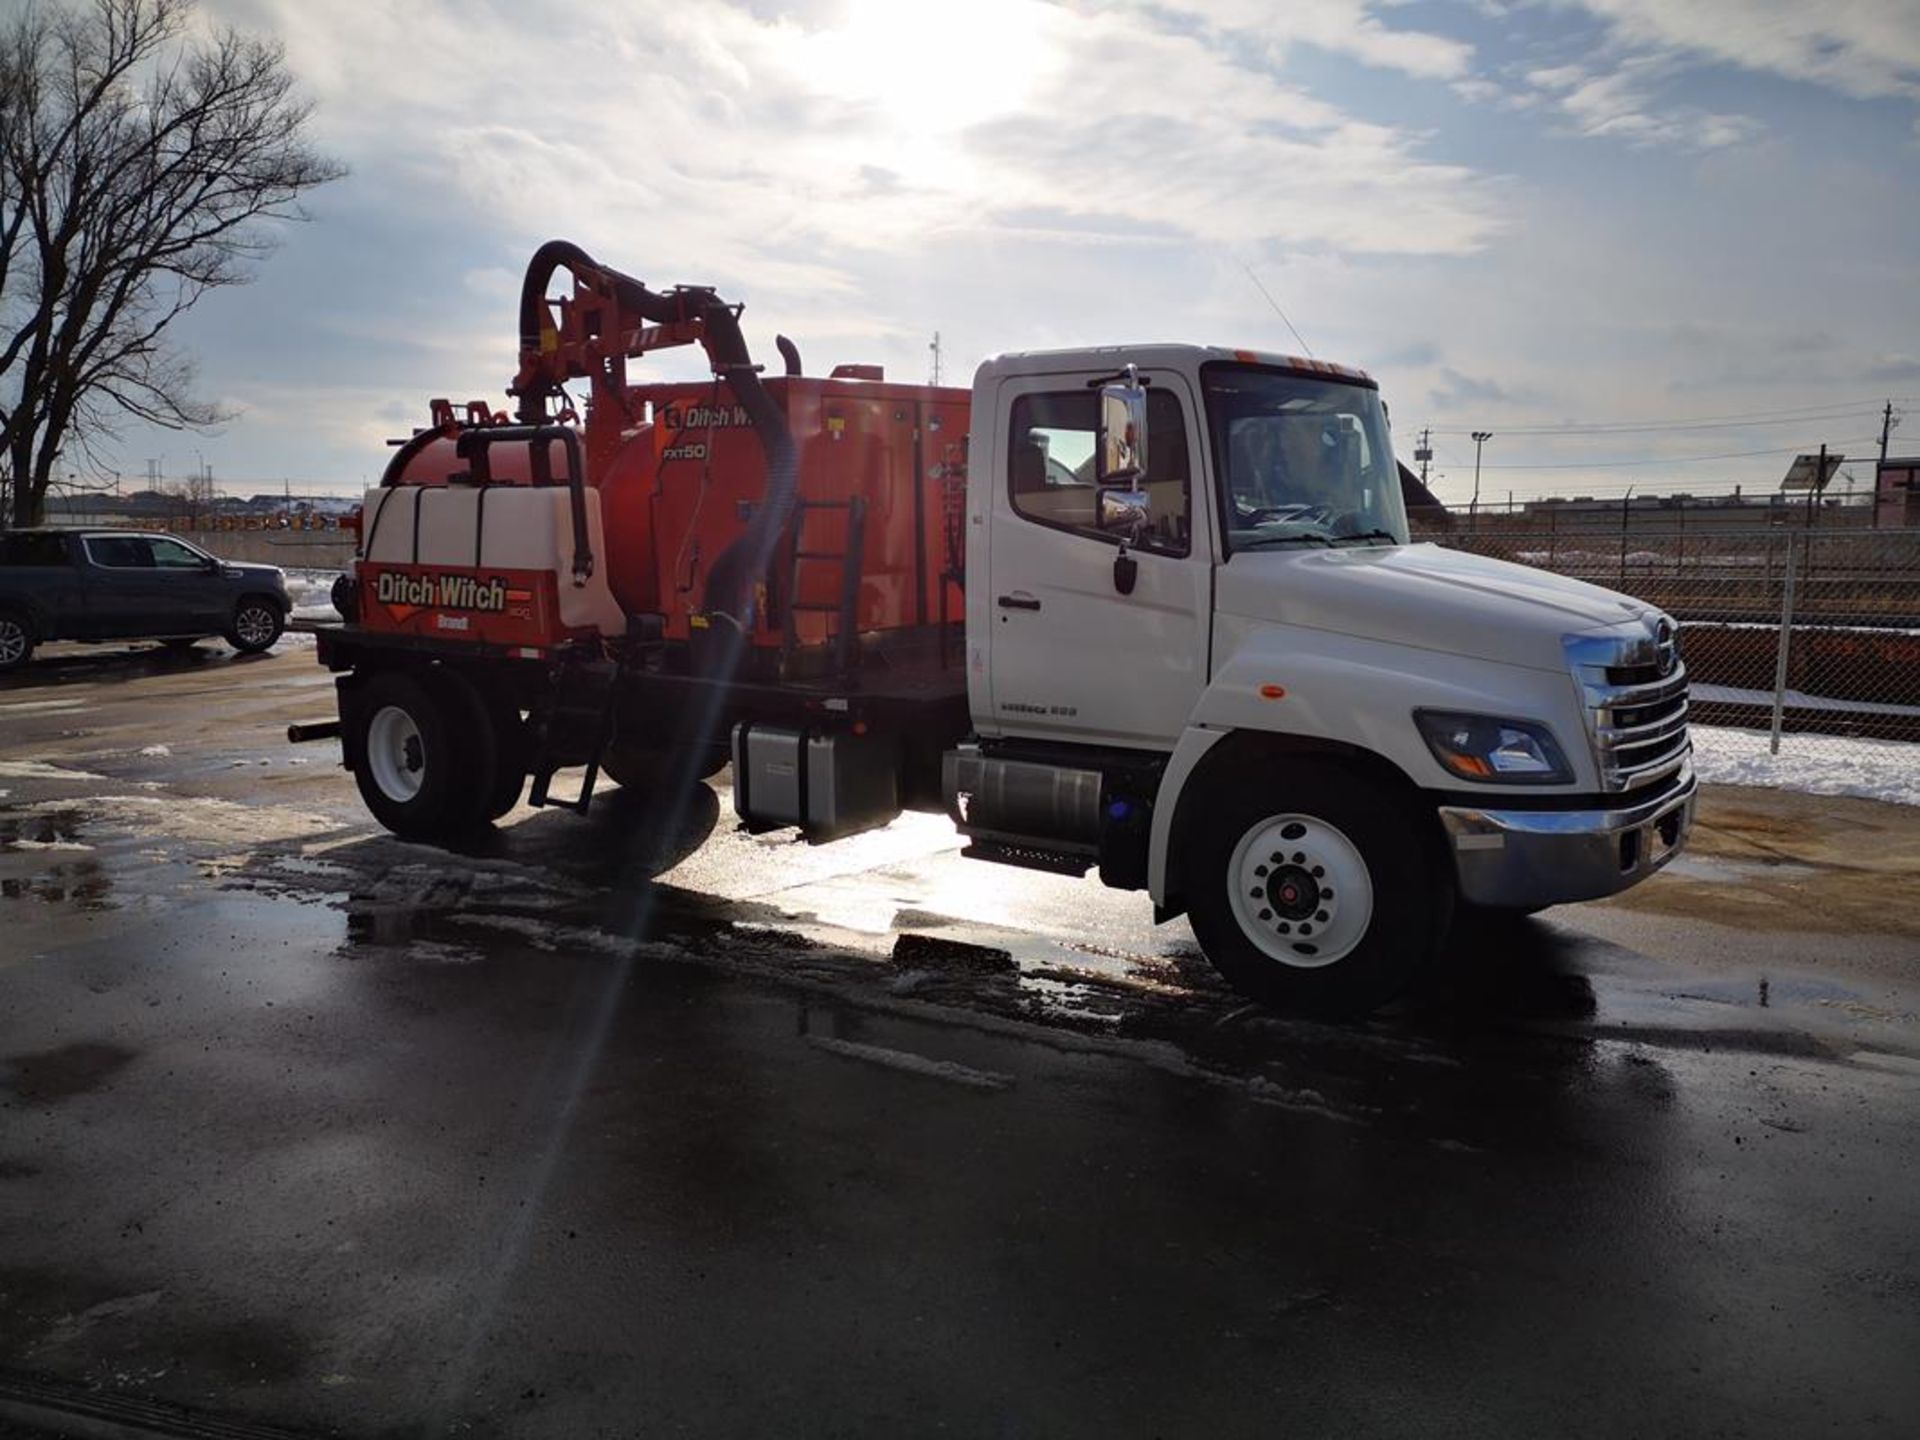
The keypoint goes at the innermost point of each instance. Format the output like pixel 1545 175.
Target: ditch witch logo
pixel 441 592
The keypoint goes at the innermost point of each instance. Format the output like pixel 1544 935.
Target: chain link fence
pixel 1799 642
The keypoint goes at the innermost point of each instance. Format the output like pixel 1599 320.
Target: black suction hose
pixel 789 352
pixel 732 577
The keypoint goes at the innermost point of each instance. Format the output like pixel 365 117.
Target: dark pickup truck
pixel 76 584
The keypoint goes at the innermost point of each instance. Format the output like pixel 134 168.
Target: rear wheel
pixel 257 623
pixel 16 641
pixel 644 768
pixel 513 754
pixel 1310 888
pixel 409 762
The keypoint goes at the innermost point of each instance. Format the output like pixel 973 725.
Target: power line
pixel 1799 415
pixel 1858 413
pixel 1654 460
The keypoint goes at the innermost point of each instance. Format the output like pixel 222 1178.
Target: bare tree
pixel 138 166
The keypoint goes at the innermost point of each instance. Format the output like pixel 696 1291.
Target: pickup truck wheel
pixel 1312 891
pixel 257 624
pixel 16 641
pixel 409 772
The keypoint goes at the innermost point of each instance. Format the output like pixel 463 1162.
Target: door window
pixel 1051 466
pixel 172 555
pixel 33 550
pixel 121 552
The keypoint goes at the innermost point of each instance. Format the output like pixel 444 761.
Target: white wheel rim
pixel 255 625
pixel 13 641
pixel 396 754
pixel 1300 891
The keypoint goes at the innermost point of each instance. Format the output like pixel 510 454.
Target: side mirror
pixel 1120 450
pixel 1123 511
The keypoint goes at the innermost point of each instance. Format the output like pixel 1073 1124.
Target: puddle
pixel 84 884
pixel 37 829
pixel 1720 870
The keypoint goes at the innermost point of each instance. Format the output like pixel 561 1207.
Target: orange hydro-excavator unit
pixel 781 521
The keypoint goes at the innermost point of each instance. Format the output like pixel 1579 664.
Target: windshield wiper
pixel 1366 535
pixel 1259 540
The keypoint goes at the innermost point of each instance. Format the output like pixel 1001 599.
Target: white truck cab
pixel 1220 670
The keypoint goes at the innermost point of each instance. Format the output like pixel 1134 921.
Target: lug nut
pixel 1321 916
pixel 1266 914
pixel 1318 871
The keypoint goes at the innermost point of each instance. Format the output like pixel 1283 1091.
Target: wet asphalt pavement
pixel 637 1125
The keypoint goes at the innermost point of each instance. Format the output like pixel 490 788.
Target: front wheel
pixel 256 625
pixel 1311 889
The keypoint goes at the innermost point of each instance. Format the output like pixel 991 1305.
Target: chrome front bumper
pixel 1526 859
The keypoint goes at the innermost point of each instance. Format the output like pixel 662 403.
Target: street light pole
pixel 1480 437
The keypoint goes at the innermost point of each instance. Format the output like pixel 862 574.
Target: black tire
pixel 257 624
pixel 513 756
pixel 1385 920
pixel 476 746
pixel 636 767
pixel 408 760
pixel 16 640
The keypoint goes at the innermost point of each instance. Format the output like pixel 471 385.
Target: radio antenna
pixel 1277 310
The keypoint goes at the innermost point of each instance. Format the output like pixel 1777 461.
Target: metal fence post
pixel 1786 640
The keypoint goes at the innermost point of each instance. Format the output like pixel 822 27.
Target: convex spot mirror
pixel 1123 511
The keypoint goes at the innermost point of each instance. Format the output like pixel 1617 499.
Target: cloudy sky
pixel 1624 235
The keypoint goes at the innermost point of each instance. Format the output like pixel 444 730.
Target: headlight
pixel 1490 750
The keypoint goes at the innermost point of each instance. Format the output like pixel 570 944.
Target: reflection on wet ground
pixel 547 1132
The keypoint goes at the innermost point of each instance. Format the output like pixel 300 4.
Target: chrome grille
pixel 1634 693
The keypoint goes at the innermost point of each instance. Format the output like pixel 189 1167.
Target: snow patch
pixel 155 752
pixel 42 770
pixel 200 817
pixel 1811 764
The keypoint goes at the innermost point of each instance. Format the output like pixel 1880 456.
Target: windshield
pixel 1304 460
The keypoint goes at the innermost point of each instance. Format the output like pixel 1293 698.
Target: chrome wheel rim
pixel 396 754
pixel 254 625
pixel 1300 890
pixel 13 641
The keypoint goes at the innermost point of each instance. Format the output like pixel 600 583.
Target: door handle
pixel 1018 602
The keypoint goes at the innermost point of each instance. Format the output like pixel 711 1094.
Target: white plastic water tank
pixel 515 527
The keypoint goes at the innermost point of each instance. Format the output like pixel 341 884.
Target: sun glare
pixel 933 70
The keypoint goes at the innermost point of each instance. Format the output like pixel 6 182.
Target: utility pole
pixel 1819 483
pixel 1480 437
pixel 933 376
pixel 1423 452
pixel 1886 429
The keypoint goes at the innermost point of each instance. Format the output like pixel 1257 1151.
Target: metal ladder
pixel 849 558
pixel 576 706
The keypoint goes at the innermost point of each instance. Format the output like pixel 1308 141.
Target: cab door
pixel 1072 653
pixel 192 594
